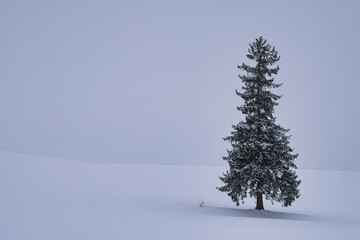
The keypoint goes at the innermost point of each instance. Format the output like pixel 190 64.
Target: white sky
pixel 154 81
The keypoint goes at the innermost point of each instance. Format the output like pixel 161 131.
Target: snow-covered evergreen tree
pixel 260 161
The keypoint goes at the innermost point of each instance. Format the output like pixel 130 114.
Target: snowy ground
pixel 45 198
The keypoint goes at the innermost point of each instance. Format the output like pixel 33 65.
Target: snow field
pixel 46 198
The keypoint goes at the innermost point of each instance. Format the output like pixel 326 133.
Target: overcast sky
pixel 154 81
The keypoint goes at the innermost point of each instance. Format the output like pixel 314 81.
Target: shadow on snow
pixel 265 214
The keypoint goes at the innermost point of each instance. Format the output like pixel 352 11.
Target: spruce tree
pixel 261 163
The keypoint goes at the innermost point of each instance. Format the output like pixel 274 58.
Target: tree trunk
pixel 259 202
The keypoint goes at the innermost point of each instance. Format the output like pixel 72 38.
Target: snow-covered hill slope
pixel 46 198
